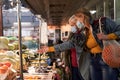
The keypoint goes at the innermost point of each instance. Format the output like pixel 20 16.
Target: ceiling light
pixel 92 11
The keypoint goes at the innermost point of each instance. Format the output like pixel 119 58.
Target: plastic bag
pixel 111 53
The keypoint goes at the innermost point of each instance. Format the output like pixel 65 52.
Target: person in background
pixel 57 55
pixel 99 70
pixel 75 44
pixel 50 54
pixel 59 41
pixel 71 65
pixel 50 41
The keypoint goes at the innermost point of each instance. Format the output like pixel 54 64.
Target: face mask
pixel 80 25
pixel 73 29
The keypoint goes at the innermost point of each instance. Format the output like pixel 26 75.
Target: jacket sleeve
pixel 64 46
pixel 112 27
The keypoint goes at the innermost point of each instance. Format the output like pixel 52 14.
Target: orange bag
pixel 111 51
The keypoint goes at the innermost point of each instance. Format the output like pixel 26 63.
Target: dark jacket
pixel 108 26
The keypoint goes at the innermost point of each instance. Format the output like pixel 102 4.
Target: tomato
pixel 7 64
pixel 1 64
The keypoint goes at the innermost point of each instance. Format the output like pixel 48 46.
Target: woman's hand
pixel 43 49
pixel 102 36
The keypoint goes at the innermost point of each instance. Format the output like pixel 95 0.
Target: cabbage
pixel 4 43
pixel 11 46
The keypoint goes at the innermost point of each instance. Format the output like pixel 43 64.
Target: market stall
pixel 10 62
pixel 19 61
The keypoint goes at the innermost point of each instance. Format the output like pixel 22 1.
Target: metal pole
pixel 1 18
pixel 114 10
pixel 40 24
pixel 20 39
pixel 104 7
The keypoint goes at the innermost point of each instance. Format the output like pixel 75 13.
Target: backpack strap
pixel 95 22
pixel 100 25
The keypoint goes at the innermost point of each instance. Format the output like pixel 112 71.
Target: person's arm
pixel 112 30
pixel 64 46
pixel 111 36
pixel 57 48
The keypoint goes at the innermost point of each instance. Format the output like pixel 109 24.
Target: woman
pixel 71 65
pixel 75 43
pixel 99 70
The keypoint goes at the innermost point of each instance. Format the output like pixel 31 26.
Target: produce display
pixel 4 69
pixel 32 77
pixel 4 43
pixel 40 76
pixel 11 57
pixel 10 61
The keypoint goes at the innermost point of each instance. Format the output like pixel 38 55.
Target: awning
pixel 57 12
